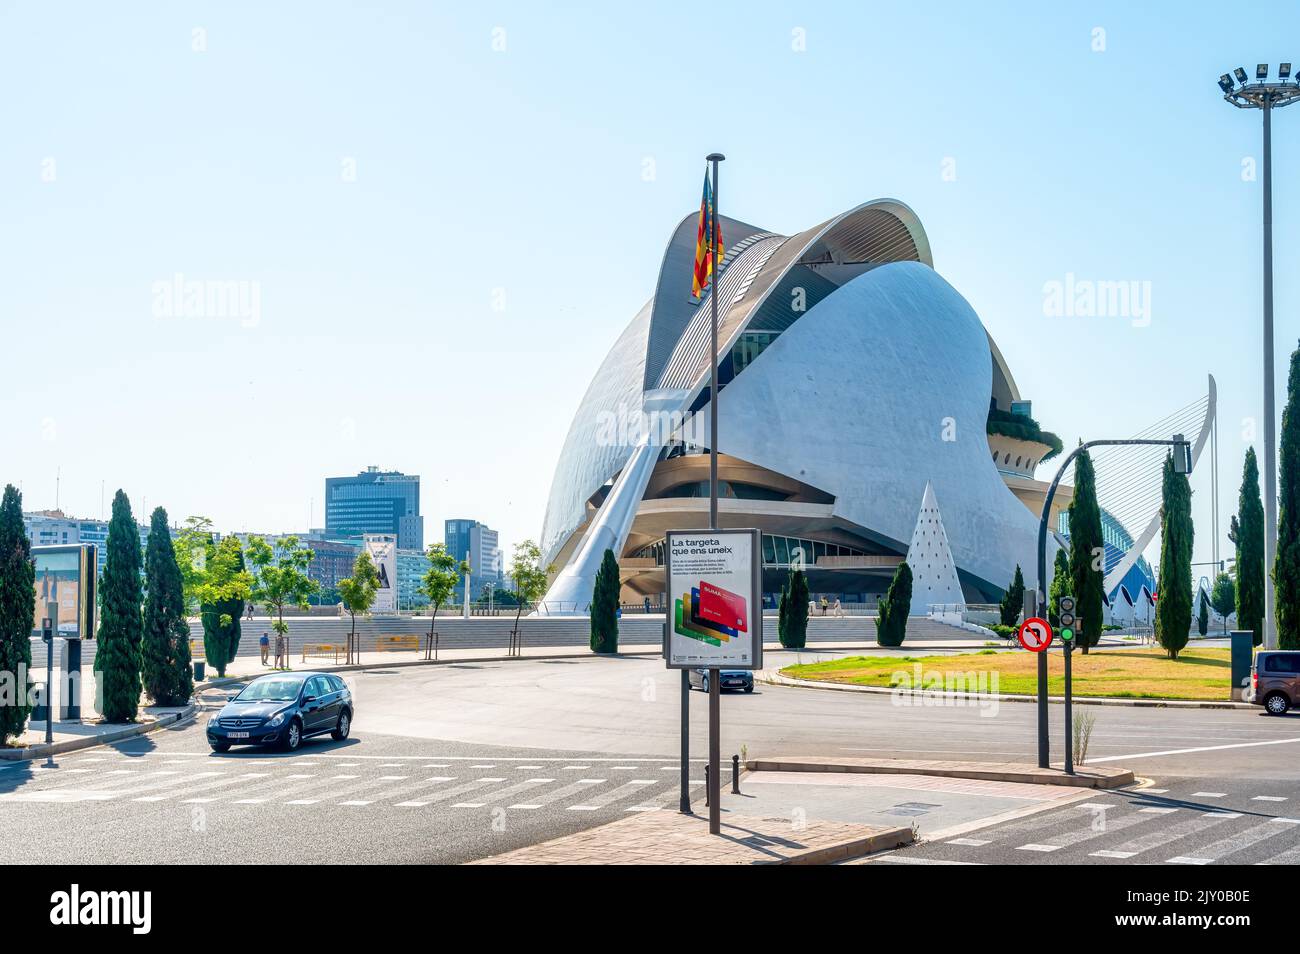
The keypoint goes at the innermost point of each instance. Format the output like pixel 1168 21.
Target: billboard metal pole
pixel 715 675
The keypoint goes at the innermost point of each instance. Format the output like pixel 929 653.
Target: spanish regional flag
pixel 704 261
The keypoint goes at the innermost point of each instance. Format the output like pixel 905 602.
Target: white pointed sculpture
pixel 934 574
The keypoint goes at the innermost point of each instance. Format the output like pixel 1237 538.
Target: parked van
pixel 1275 680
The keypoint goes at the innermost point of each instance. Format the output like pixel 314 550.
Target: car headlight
pixel 277 719
pixel 212 723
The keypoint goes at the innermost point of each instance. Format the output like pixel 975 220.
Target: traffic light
pixel 1067 618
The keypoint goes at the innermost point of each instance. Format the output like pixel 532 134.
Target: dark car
pixel 727 679
pixel 1275 680
pixel 283 709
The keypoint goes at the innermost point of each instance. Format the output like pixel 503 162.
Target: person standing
pixel 265 644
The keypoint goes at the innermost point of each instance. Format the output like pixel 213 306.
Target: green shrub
pixel 891 628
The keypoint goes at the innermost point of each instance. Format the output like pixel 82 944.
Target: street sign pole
pixel 1069 721
pixel 1069 625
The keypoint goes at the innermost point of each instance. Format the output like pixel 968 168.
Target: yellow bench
pixel 394 643
pixel 321 650
pixel 196 649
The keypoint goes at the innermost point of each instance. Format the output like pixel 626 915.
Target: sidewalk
pixel 667 837
pixel 91 731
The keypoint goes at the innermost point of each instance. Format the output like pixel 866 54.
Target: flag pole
pixel 715 687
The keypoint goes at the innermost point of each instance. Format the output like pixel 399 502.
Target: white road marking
pixel 1113 854
pixel 1034 847
pixel 1201 748
pixel 1186 860
pixel 1239 841
pixel 968 842
pixel 909 860
pixel 1221 814
pixel 1209 794
pixel 356 802
pixel 469 805
pixel 613 795
pixel 1157 811
pixel 1168 834
pixel 303 801
pixel 1269 798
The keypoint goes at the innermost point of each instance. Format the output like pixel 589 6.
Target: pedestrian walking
pixel 265 643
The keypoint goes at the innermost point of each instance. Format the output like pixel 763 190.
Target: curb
pixel 1084 778
pixel 885 840
pixel 117 735
pixel 777 679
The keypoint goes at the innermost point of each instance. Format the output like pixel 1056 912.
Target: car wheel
pixel 1276 704
pixel 749 688
pixel 220 746
pixel 293 736
pixel 704 684
pixel 343 728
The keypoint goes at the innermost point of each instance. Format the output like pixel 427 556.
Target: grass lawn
pixel 1202 674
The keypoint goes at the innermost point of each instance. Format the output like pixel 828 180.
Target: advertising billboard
pixel 66 575
pixel 382 548
pixel 715 612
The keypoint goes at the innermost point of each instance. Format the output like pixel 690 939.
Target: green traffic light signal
pixel 1067 634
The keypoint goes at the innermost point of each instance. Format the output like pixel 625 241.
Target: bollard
pixel 706 786
pixel 735 775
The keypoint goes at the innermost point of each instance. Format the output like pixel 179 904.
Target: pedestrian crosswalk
pixel 1201 828
pixel 629 786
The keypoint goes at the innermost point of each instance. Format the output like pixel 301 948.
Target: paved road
pixel 460 761
pixel 168 799
pixel 1179 821
pixel 630 706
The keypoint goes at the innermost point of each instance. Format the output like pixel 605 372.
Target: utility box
pixel 70 680
pixel 1243 645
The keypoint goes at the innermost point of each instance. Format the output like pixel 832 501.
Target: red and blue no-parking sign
pixel 1035 634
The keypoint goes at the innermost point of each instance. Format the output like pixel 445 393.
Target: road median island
pixel 1084 776
pixel 71 736
pixel 667 837
pixel 1199 677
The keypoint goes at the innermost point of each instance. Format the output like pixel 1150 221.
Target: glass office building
pixel 375 501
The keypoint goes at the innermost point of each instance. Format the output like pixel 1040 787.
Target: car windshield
pixel 270 690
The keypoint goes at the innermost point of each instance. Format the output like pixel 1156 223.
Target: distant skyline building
pixel 55 528
pixel 480 545
pixel 375 501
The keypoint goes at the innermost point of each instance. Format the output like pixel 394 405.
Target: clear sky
pixel 450 211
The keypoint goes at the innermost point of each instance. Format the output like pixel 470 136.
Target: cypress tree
pixel 796 614
pixel 165 649
pixel 120 623
pixel 17 613
pixel 1013 600
pixel 604 606
pixel 1087 554
pixel 1061 584
pixel 1203 617
pixel 1174 605
pixel 891 628
pixel 1249 538
pixel 1286 564
pixel 783 612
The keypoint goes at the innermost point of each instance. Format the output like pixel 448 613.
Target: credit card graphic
pixel 682 627
pixel 723 607
pixel 699 622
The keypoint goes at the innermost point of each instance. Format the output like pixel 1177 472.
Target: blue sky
pixel 447 236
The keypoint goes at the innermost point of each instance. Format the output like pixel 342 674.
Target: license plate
pixel 237 735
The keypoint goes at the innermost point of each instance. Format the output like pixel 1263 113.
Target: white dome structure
pixel 854 381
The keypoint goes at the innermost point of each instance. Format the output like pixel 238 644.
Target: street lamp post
pixel 1266 96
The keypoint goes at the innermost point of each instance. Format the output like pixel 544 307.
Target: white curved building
pixel 851 376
